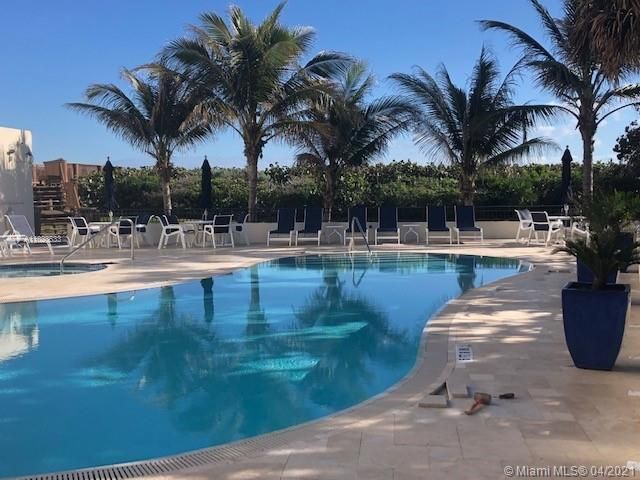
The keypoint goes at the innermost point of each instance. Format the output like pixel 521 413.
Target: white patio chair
pixel 142 223
pixel 541 224
pixel 241 228
pixel 524 225
pixel 221 226
pixel 579 229
pixel 171 228
pixel 19 226
pixel 123 232
pixel 80 231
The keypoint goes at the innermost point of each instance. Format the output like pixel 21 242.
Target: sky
pixel 51 51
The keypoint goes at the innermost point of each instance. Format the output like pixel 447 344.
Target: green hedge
pixel 404 184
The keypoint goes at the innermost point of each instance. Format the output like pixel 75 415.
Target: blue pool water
pixel 113 378
pixel 45 269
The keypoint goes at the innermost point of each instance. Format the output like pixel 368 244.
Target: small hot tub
pixel 46 269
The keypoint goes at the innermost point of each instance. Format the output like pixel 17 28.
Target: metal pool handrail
pixel 355 221
pixel 96 235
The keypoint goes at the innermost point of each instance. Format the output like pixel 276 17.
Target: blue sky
pixel 51 51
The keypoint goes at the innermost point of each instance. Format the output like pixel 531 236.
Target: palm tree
pixel 574 76
pixel 159 117
pixel 473 129
pixel 610 27
pixel 253 76
pixel 341 129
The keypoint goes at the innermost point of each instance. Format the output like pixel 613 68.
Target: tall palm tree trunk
pixel 166 195
pixel 587 132
pixel 467 189
pixel 163 166
pixel 329 191
pixel 252 155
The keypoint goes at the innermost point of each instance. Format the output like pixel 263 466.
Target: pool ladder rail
pixel 102 231
pixel 355 221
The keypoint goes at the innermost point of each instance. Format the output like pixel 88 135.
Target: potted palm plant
pixel 594 314
pixel 616 209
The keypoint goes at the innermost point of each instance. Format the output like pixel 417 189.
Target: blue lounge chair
pixel 286 224
pixel 466 222
pixel 437 222
pixel 387 225
pixel 359 213
pixel 312 225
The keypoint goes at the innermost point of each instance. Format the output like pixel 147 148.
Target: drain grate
pixel 199 458
pixel 464 353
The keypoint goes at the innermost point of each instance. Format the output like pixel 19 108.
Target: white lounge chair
pixel 19 226
pixel 525 224
pixel 544 226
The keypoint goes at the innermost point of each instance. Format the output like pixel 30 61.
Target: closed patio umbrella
pixel 109 188
pixel 566 195
pixel 205 187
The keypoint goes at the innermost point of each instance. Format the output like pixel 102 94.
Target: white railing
pixel 93 237
pixel 355 221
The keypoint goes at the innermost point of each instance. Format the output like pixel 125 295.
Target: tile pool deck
pixel 561 415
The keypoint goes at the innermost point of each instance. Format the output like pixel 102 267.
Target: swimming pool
pixel 113 378
pixel 46 269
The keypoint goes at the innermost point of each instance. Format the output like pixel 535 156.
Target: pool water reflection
pixel 112 378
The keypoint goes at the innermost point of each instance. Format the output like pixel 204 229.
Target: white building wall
pixel 16 160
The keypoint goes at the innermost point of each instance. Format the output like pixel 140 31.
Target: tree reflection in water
pixel 466 266
pixel 347 355
pixel 207 298
pixel 256 319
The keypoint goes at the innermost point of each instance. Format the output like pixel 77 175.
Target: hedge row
pixel 403 183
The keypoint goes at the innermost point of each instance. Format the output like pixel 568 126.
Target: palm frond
pixel 531 147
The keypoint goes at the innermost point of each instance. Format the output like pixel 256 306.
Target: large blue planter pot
pixel 585 275
pixel 594 323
